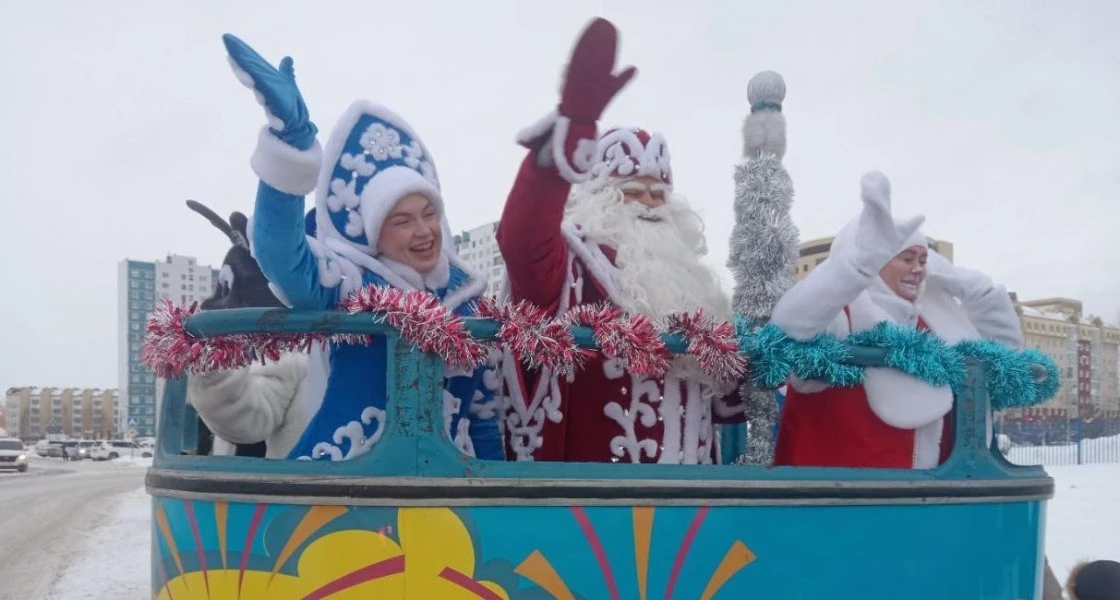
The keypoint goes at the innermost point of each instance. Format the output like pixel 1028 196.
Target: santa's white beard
pixel 658 261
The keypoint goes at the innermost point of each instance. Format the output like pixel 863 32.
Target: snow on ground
pixel 114 559
pixel 126 461
pixel 1083 519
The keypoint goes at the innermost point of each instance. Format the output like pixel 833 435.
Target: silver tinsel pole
pixel 763 246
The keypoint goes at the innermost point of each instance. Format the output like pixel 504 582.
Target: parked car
pixel 84 446
pixel 53 448
pixel 74 449
pixel 12 455
pixel 110 449
pixel 43 447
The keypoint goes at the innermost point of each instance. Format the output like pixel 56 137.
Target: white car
pixel 110 449
pixel 12 455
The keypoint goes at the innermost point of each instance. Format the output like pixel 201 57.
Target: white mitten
pixel 965 284
pixel 879 238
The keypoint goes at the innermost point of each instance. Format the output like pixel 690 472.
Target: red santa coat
pixel 603 413
pixel 836 427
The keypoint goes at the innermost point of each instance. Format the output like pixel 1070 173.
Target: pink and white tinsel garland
pixel 170 351
pixel 423 322
pixel 536 338
pixel 539 340
pixel 713 344
pixel 634 340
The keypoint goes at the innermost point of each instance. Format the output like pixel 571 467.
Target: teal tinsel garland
pixel 774 357
pixel 1049 387
pixel 1011 382
pixel 914 352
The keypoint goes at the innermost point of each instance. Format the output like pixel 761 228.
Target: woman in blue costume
pixel 379 220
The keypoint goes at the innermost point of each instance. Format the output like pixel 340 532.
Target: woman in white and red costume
pixel 596 220
pixel 882 270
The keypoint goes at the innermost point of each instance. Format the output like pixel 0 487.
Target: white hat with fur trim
pixel 373 158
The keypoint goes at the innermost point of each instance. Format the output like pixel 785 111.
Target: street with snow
pixel 59 519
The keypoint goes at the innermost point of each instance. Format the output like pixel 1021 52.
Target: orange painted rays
pixel 536 567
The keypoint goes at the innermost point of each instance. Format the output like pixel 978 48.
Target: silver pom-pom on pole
pixel 763 247
pixel 764 129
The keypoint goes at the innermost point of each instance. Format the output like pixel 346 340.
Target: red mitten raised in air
pixel 590 83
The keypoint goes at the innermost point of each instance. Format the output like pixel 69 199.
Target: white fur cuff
pixel 530 135
pixel 281 166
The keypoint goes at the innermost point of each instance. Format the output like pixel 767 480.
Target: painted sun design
pixel 435 558
pixel 536 567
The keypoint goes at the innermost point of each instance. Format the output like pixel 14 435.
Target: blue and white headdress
pixel 372 159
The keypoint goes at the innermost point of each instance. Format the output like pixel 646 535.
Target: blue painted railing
pixel 413 443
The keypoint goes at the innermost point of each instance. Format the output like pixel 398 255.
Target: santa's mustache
pixel 649 214
pixel 652 215
pixel 605 215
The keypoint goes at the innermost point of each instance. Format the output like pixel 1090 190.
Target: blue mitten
pixel 275 90
pixel 287 158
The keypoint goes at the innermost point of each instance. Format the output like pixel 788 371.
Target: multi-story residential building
pixel 1086 350
pixel 139 286
pixel 81 413
pixel 479 249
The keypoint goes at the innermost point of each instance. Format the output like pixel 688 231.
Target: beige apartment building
pixel 89 413
pixel 1086 350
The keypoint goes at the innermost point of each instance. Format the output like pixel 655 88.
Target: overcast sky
pixel 998 120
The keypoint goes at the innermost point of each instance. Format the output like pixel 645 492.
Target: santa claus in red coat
pixel 880 269
pixel 596 220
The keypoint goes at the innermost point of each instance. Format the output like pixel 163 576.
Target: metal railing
pixel 1057 442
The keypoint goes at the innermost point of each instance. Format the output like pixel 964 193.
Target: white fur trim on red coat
pixel 592 257
pixel 531 135
pixel 525 410
pixel 285 168
pixel 575 168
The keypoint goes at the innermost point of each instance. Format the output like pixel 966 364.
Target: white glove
pixel 878 237
pixel 965 284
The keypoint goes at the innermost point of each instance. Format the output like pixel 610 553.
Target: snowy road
pixel 46 513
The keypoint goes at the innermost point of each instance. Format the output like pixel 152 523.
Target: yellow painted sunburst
pixel 434 559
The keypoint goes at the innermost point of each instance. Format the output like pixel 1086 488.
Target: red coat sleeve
pixel 529 237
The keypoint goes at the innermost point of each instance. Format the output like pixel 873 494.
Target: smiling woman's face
pixel 411 233
pixel 905 272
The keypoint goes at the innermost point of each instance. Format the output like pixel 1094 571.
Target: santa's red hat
pixel 632 152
